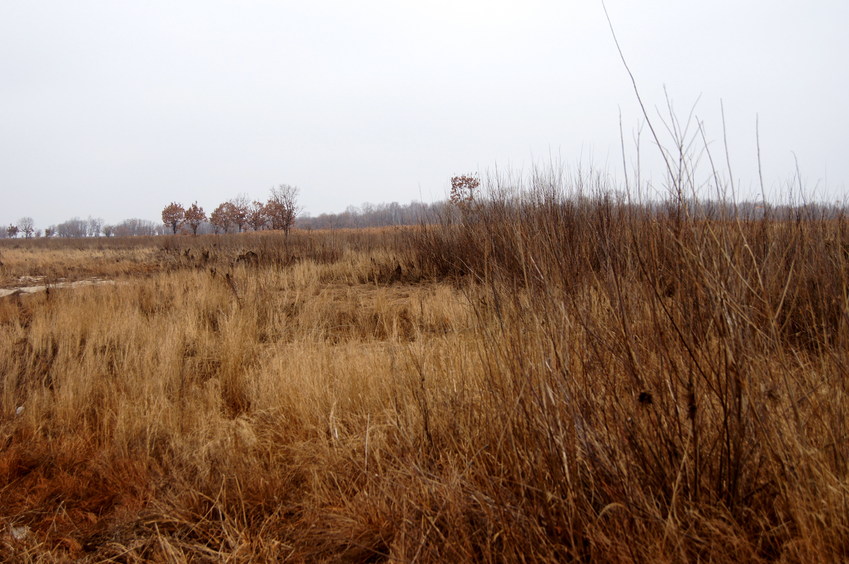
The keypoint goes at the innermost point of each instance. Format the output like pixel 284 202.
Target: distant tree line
pixel 375 215
pixel 278 212
pixel 77 228
pixel 380 215
pixel 133 228
pixel 25 227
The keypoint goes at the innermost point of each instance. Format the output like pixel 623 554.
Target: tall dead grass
pixel 662 377
pixel 552 375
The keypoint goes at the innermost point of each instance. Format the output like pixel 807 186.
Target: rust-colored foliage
pixel 464 189
pixel 221 217
pixel 194 217
pixel 173 216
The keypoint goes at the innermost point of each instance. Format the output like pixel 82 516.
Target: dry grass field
pixel 539 379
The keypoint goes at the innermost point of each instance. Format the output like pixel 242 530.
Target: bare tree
pixel 132 228
pixel 95 226
pixel 282 207
pixel 173 216
pixel 12 231
pixel 26 226
pixel 73 228
pixel 240 208
pixel 194 217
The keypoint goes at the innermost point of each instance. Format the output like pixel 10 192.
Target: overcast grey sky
pixel 115 108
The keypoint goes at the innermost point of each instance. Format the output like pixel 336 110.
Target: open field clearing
pixel 548 379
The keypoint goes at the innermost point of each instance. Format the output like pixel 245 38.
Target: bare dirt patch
pixel 36 284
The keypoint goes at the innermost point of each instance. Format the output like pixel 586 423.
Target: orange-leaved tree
pixel 173 216
pixel 256 216
pixel 220 218
pixel 195 216
pixel 464 189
